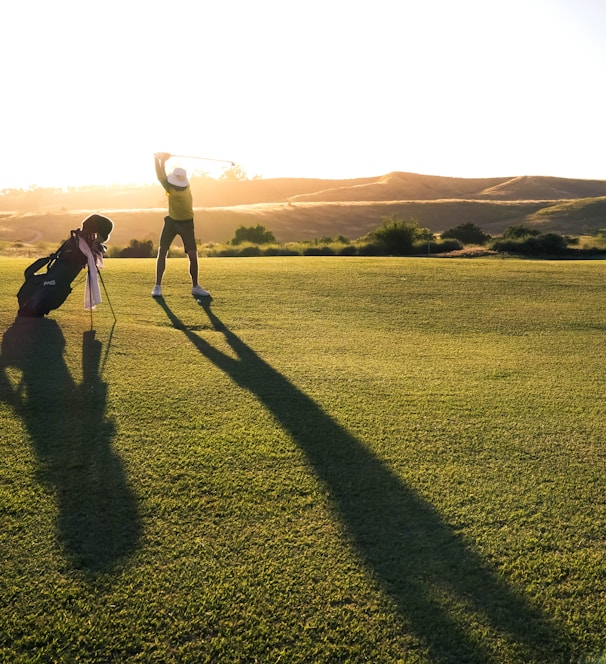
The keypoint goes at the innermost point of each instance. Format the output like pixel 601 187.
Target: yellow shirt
pixel 180 201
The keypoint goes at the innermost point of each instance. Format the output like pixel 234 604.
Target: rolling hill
pixel 302 209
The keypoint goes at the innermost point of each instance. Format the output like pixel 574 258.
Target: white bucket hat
pixel 178 178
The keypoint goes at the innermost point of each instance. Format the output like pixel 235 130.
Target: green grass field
pixel 341 460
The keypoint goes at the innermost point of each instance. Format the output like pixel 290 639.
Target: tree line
pixel 394 237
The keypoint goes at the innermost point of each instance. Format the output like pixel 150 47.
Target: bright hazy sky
pixel 302 88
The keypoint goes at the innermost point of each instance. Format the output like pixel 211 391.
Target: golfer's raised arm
pixel 160 159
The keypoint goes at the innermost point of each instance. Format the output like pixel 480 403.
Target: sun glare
pixel 317 90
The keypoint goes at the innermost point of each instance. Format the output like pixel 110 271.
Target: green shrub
pixel 225 252
pixel 467 234
pixel 114 252
pixel 251 250
pixel 397 237
pixel 438 246
pixel 548 244
pixel 138 249
pixel 319 251
pixel 519 231
pixel 371 249
pixel 255 234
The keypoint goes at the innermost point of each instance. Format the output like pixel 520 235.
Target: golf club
pixel 187 156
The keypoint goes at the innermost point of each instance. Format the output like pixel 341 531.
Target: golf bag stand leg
pixel 106 295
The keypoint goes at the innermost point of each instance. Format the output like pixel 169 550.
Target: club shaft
pixel 188 156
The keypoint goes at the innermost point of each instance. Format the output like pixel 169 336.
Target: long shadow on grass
pixel 439 584
pixel 97 522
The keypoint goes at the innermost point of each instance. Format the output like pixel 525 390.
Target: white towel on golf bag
pixel 92 292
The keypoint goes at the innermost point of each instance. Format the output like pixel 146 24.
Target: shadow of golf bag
pixel 48 290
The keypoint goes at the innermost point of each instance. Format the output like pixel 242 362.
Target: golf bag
pixel 48 290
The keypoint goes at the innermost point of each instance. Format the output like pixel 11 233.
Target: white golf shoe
pixel 198 291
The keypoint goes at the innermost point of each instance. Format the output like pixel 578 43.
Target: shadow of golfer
pixel 425 568
pixel 97 521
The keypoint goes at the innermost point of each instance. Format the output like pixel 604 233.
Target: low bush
pixel 319 251
pixel 251 250
pixel 467 234
pixel 547 244
pixel 397 237
pixel 520 231
pixel 372 249
pixel 438 246
pixel 255 234
pixel 138 249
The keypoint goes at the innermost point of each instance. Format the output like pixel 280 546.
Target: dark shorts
pixel 172 228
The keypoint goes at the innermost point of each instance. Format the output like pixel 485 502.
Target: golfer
pixel 180 221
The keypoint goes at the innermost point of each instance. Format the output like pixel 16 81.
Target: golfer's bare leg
pixel 193 266
pixel 160 265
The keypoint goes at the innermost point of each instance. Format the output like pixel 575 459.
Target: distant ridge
pixel 399 186
pixel 534 188
pixel 411 186
pixel 395 186
pixel 306 208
